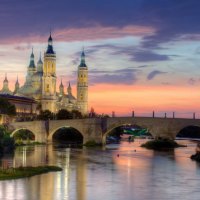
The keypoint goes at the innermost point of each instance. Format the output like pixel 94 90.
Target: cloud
pixel 154 73
pixel 147 55
pixel 82 34
pixel 180 24
pixel 126 76
pixel 191 81
pixel 140 55
pixel 23 47
pixel 144 66
pixel 165 83
pixel 133 52
pixel 87 20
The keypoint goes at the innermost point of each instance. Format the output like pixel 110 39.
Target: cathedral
pixel 40 84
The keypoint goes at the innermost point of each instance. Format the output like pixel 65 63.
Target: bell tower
pixel 82 86
pixel 49 78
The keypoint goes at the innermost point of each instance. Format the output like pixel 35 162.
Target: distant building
pixel 40 85
pixel 25 107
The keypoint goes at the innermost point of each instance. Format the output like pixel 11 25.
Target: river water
pixel 116 172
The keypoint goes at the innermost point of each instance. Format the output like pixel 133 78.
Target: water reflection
pixel 124 171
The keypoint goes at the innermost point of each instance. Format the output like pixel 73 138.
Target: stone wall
pixel 97 128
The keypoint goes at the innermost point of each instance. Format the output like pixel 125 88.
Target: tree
pixel 11 110
pixel 24 134
pixel 7 108
pixel 2 132
pixel 7 144
pixel 64 114
pixel 76 114
pixel 45 115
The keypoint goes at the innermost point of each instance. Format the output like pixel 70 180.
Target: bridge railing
pixel 162 114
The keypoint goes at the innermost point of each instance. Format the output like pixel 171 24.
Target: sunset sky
pixel 142 55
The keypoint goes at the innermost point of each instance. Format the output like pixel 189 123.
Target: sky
pixel 142 55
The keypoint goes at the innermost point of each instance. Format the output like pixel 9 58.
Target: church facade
pixel 41 80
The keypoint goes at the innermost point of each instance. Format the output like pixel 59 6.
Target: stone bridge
pixel 97 128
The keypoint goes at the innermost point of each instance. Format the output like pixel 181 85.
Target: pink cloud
pixel 80 34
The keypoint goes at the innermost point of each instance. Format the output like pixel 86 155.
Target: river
pixel 116 172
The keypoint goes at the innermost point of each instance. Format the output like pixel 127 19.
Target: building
pixel 41 80
pixel 26 108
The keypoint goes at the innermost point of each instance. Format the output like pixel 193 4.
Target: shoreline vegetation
pixel 7 144
pixel 92 143
pixel 196 156
pixel 24 172
pixel 161 144
pixel 28 143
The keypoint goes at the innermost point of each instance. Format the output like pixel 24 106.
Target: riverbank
pixel 161 144
pixel 22 143
pixel 23 172
pixel 92 143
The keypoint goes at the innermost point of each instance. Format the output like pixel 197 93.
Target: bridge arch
pixel 18 129
pixel 30 135
pixel 189 131
pixel 115 126
pixel 55 130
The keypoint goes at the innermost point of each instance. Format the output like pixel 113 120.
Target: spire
pixel 61 84
pixel 82 64
pixel 5 89
pixel 16 86
pixel 61 87
pixel 32 62
pixel 40 64
pixel 5 80
pixel 69 89
pixel 50 45
pixel 32 52
pixel 50 40
pixel 17 81
pixel 40 59
pixel 40 56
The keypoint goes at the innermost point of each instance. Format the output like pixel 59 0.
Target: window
pixel 47 88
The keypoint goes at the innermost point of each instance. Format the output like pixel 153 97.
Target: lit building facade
pixel 41 80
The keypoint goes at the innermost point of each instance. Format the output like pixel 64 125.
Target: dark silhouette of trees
pixel 7 144
pixel 64 114
pixel 45 115
pixel 7 108
pixel 24 135
pixel 76 114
